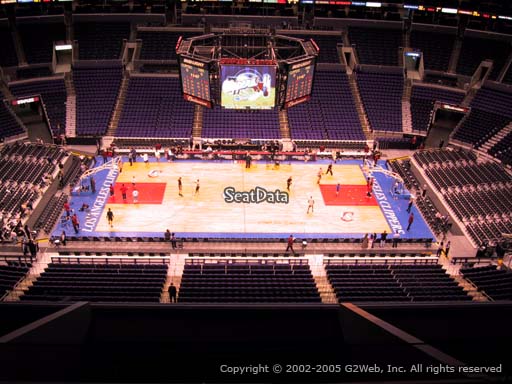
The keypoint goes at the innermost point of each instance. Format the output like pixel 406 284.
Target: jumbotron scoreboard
pixel 246 69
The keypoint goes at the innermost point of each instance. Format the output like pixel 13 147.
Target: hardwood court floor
pixel 208 212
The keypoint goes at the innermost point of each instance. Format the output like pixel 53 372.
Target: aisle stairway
pixel 493 140
pixel 118 109
pixel 365 124
pixel 70 106
pixel 174 274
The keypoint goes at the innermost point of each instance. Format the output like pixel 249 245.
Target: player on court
pixel 289 183
pixel 329 169
pixel 180 187
pixel 123 191
pixel 338 187
pixel 319 175
pixel 197 188
pixel 110 218
pixel 311 204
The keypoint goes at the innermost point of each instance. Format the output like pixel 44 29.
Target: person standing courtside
pixel 289 247
pixel 172 293
pixel 197 188
pixel 447 248
pixel 383 237
pixel 75 222
pixel 173 241
pixel 411 202
pixel 410 220
pixel 396 238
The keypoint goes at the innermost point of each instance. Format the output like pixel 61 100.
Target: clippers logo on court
pixel 347 216
pixel 255 196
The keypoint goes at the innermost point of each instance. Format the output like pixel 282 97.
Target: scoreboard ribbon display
pixel 300 82
pixel 195 81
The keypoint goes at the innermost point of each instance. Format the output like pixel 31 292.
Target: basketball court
pixel 350 213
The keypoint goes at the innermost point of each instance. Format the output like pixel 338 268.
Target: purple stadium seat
pixel 154 107
pixel 96 94
pixel 330 114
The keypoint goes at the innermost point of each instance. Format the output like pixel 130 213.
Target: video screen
pixel 195 79
pixel 300 80
pixel 248 87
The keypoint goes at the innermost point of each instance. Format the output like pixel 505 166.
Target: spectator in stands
pixel 33 247
pixel 440 249
pixel 410 221
pixel 172 293
pixel 13 236
pixel 383 237
pixel 424 191
pixel 396 239
pixel 364 243
pixel 289 247
pixel 24 245
pixel 447 248
pixel 26 229
pixel 441 144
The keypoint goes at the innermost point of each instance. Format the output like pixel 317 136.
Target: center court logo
pixel 255 196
